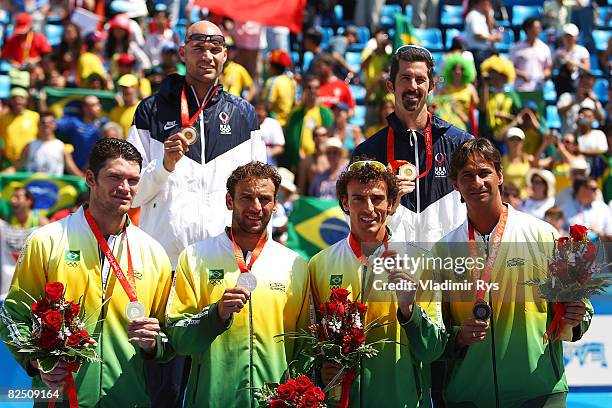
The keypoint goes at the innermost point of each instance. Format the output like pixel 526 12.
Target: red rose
pixel 287 391
pixel 84 333
pixel 53 320
pixel 578 232
pixel 303 384
pixel 590 252
pixel 71 311
pixel 74 340
pixel 317 393
pixel 40 308
pixel 359 335
pixel 309 401
pixel 340 295
pixel 322 308
pixel 278 403
pixel 361 309
pixel 54 291
pixel 48 340
pixel 335 308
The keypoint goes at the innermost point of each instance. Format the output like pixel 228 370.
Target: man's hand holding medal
pixel 175 147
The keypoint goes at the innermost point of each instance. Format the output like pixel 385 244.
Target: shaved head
pixel 203 27
pixel 204 54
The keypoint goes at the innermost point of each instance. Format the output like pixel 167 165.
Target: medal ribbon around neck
pixel 254 255
pixel 395 164
pixel 186 121
pixel 129 288
pixel 355 245
pixel 499 232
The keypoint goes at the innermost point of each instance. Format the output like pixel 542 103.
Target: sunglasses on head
pixel 358 165
pixel 216 40
pixel 421 50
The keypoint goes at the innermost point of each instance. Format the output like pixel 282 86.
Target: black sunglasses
pixel 216 40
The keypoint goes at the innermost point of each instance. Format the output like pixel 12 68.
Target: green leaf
pixel 47 364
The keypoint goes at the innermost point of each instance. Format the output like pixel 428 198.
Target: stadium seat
pixel 430 38
pixel 328 34
pixel 604 18
pixel 408 12
pixel 359 93
pixel 550 94
pixel 507 41
pixel 358 118
pixel 353 60
pixel 595 69
pixel 338 12
pixel 5 86
pixel 520 13
pixel 308 57
pixel 600 38
pixel 387 13
pixel 450 34
pixel 553 120
pixel 438 57
pixel 54 34
pixel 601 90
pixel 452 16
pixel 5 67
pixel 363 34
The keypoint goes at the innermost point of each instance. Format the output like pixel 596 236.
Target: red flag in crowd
pixel 287 13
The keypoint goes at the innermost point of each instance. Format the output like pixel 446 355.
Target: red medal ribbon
pixel 395 164
pixel 254 255
pixel 557 325
pixel 70 388
pixel 486 275
pixel 186 121
pixel 355 245
pixel 347 382
pixel 130 289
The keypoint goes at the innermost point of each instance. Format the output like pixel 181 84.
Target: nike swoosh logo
pixel 168 126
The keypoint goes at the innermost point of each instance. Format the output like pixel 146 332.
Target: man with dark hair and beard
pixel 233 293
pixel 417 147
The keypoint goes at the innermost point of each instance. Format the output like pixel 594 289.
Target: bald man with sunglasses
pixel 191 135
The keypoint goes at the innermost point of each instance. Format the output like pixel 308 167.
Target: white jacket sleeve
pixel 153 175
pixel 258 147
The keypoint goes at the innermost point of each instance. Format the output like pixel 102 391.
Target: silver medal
pixel 134 310
pixel 247 281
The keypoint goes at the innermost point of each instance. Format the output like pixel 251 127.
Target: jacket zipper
pixel 364 271
pixel 416 163
pixel 251 375
pixel 485 239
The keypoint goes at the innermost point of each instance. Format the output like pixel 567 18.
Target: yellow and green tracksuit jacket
pixel 229 358
pixel 512 365
pixel 66 251
pixel 399 375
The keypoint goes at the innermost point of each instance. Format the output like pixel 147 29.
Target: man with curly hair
pixel 233 293
pixel 366 192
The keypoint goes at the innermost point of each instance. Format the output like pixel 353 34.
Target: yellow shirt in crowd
pixel 17 132
pixel 280 92
pixel 123 115
pixel 236 79
pixel 89 63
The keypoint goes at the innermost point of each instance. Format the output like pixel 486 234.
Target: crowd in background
pixel 534 79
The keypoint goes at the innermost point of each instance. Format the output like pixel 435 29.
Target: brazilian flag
pixel 315 224
pixel 50 193
pixel 404 32
pixel 67 101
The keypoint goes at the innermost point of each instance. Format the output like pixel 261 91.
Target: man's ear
pixel 182 53
pixel 390 86
pixel 90 179
pixel 344 204
pixel 229 203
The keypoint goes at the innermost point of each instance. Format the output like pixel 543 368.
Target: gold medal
pixel 408 170
pixel 190 133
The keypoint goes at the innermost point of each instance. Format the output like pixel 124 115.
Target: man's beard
pixel 246 228
pixel 410 105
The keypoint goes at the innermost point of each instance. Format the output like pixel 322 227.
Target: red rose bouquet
pixel 299 392
pixel 573 274
pixel 340 337
pixel 58 333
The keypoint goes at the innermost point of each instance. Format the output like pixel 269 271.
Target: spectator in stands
pixel 314 164
pixel 605 60
pixel 339 45
pixel 531 58
pixel 236 79
pixel 511 195
pixel 458 98
pixel 384 110
pixel 458 46
pixel 312 43
pixel 123 114
pixel 299 142
pixel 119 41
pixel 516 163
pixel 18 125
pixel 554 216
pixel 591 142
pixel 528 119
pixel 112 130
pixel 324 185
pixel 160 34
pixel 500 103
pixel 425 13
pixel 541 187
pixel 279 89
pixel 170 61
pixel 569 103
pixel 578 168
pixel 375 67
pixel 367 13
pixel 271 132
pixel 559 154
pixel 46 154
pixel 126 65
pixel 556 14
pixel 570 58
pixel 480 32
pixel 350 135
pixel 92 60
pixel 25 48
pixel 247 38
pixel 333 89
pixel 66 54
pixel 586 210
pixel 84 131
pixel 23 214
